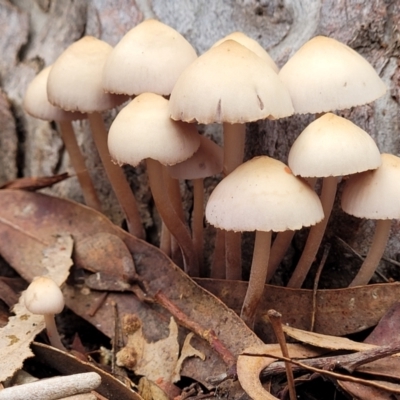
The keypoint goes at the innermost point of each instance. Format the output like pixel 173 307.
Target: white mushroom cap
pixel 206 161
pixel 43 296
pixel 374 194
pixel 252 45
pixel 326 75
pixel 149 58
pixel 333 146
pixel 262 194
pixel 143 129
pixel 75 79
pixel 37 104
pixel 229 83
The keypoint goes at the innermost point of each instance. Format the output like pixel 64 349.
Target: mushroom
pixel 329 147
pixel 37 105
pixel 74 84
pixel 262 195
pixel 230 84
pixel 143 130
pixel 43 296
pixel 374 195
pixel 206 161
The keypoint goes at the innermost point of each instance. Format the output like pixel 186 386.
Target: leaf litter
pixel 34 221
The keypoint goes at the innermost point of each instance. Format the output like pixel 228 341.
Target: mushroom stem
pixel 78 163
pixel 316 234
pixel 379 241
pixel 258 274
pixel 278 250
pixel 116 177
pixel 218 270
pixel 170 216
pixel 52 332
pixel 197 221
pixel 234 139
pixel 165 240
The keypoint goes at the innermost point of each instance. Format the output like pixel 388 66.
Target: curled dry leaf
pixel 249 367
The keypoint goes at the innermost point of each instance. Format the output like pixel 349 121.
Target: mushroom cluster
pixel 169 90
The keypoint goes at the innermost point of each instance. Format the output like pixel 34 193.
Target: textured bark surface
pixel 34 33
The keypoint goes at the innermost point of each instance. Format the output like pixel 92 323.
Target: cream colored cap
pixel 252 45
pixel 37 105
pixel 229 83
pixel 75 80
pixel 149 58
pixel 326 75
pixel 262 194
pixel 333 146
pixel 143 129
pixel 374 194
pixel 207 161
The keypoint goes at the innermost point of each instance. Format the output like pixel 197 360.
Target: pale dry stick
pixel 276 321
pixel 116 177
pixel 79 165
pixel 53 388
pixel 316 282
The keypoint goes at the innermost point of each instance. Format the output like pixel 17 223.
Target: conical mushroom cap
pixel 149 58
pixel 229 83
pixel 143 129
pixel 75 80
pixel 250 44
pixel 37 105
pixel 262 194
pixel 374 194
pixel 326 75
pixel 207 161
pixel 333 146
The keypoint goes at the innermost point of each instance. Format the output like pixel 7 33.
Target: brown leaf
pixel 32 219
pixel 338 311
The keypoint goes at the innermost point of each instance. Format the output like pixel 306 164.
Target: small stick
pixel 276 321
pixel 206 334
pixel 316 282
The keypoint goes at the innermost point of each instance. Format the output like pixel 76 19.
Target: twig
pixel 206 334
pixel 316 282
pixel 276 321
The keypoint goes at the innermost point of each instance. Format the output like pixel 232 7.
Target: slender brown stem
pixel 78 163
pixel 197 221
pixel 52 332
pixel 116 177
pixel 278 250
pixel 276 323
pixel 218 261
pixel 258 273
pixel 315 235
pixel 375 253
pixel 165 240
pixel 170 217
pixel 233 255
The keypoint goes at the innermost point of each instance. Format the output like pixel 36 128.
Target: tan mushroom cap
pixel 252 45
pixel 262 194
pixel 149 58
pixel 75 80
pixel 229 83
pixel 375 194
pixel 37 105
pixel 326 75
pixel 206 161
pixel 333 146
pixel 143 129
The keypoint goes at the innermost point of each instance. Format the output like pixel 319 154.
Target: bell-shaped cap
pixel 149 58
pixel 229 83
pixel 143 129
pixel 374 194
pixel 263 195
pixel 75 80
pixel 326 75
pixel 333 146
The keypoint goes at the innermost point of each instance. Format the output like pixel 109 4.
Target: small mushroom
pixel 43 296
